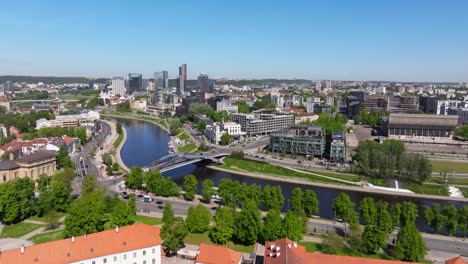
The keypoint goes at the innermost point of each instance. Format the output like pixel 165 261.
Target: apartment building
pixel 338 147
pixel 299 139
pixel 262 123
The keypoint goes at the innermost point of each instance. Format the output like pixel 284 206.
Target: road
pixel 316 226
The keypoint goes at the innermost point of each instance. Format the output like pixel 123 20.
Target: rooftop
pixel 86 247
pixel 37 156
pixel 210 254
pixel 8 165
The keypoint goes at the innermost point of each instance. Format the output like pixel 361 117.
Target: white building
pixel 278 100
pixel 330 101
pixel 138 243
pixel 83 119
pixel 225 105
pixel 297 100
pixel 318 86
pixel 118 86
pixel 215 131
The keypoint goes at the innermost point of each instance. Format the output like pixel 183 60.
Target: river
pixel 147 142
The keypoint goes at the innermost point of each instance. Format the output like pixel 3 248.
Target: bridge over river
pixel 180 159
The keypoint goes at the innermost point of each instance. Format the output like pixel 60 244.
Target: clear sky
pixel 405 40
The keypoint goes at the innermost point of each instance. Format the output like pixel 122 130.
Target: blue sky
pixel 406 40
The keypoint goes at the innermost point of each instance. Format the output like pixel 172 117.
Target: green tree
pixel 17 200
pixel 201 126
pixel 223 230
pixel 225 139
pixel 368 210
pixel 410 245
pixel 122 214
pixel 115 167
pixel 248 224
pixel 169 188
pixel 118 128
pixel 173 235
pixel 229 191
pixel 52 220
pixel 190 186
pixel 107 159
pixel 272 198
pixel 61 192
pixel 89 185
pixel 295 201
pixel 198 219
pixel 344 209
pixel 294 226
pixel 154 181
pixel 450 218
pixel 168 214
pixel 409 213
pixel 463 219
pixel 63 160
pixel 372 239
pixel 243 107
pixel 85 215
pixel 200 109
pixel 123 107
pixel 207 190
pixel 273 226
pixel 5 155
pixel 135 179
pixel 433 217
pixel 310 203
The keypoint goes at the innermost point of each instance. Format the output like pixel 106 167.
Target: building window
pixel 144 261
pixel 153 261
pixel 94 262
pixel 115 258
pixel 104 260
pixel 125 256
pixel 154 250
pixel 134 254
pixel 4 178
pixel 144 252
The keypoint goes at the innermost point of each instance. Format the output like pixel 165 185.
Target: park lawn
pixel 18 230
pixel 47 237
pixel 426 189
pixel 449 166
pixel 42 218
pixel 118 141
pixel 455 181
pixel 197 239
pixel 187 148
pixel 183 136
pixel 148 220
pixel 341 176
pixel 253 166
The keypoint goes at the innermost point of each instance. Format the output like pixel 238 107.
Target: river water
pixel 147 142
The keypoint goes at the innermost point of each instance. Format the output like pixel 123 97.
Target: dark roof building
pixel 416 125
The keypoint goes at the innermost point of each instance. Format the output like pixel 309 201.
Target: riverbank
pixel 134 117
pixel 116 138
pixel 117 151
pixel 287 179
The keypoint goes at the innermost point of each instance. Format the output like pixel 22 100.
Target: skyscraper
pixel 182 79
pixel 135 82
pixel 118 86
pixel 318 86
pixel 161 80
pixel 204 83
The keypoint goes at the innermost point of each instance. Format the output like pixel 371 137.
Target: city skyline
pixel 396 41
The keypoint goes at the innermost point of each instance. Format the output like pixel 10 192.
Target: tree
pixel 368 210
pixel 228 190
pixel 433 217
pixel 85 215
pixel 168 214
pixel 173 235
pixel 201 126
pixel 169 188
pixel 95 102
pixel 107 159
pixel 295 202
pixel 154 181
pixel 207 190
pixel 52 220
pixel 294 226
pixel 174 125
pixel 61 192
pixel 344 209
pixel 118 128
pixel 225 139
pixel 5 155
pixel 410 245
pixel 190 186
pixel 248 224
pixel 272 198
pixel 122 214
pixel 198 219
pixel 243 107
pixel 372 239
pixel 115 167
pixel 310 203
pixel 135 178
pixel 200 109
pixel 63 160
pixel 273 226
pixel 237 154
pixel 123 107
pixel 16 200
pixel 89 185
pixel 409 213
pixel 450 215
pixel 463 219
pixel 223 229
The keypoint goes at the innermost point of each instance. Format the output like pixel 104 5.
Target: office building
pixel 262 123
pixel 138 243
pixel 225 105
pixel 299 139
pixel 353 106
pixel 419 126
pixel 8 86
pixel 161 80
pixel 182 80
pixel 462 114
pixel 428 104
pixel 375 103
pixel 322 108
pixel 338 147
pixel 403 104
pixel 118 86
pixel 297 100
pixel 135 83
pixel 204 84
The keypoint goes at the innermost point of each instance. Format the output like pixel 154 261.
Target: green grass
pixel 426 189
pixel 183 136
pixel 47 237
pixel 253 166
pixel 18 230
pixel 455 181
pixel 311 246
pixel 449 166
pixel 464 190
pixel 341 176
pixel 197 239
pixel 42 218
pixel 187 148
pixel 148 220
pixel 379 182
pixel 118 141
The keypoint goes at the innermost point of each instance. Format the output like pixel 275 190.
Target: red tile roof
pixel 67 139
pixel 85 247
pixel 210 254
pixel 290 252
pixel 457 260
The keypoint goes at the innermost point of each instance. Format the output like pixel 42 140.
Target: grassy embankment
pixel 442 166
pixel 18 230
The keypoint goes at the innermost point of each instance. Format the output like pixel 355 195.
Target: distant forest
pixel 49 79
